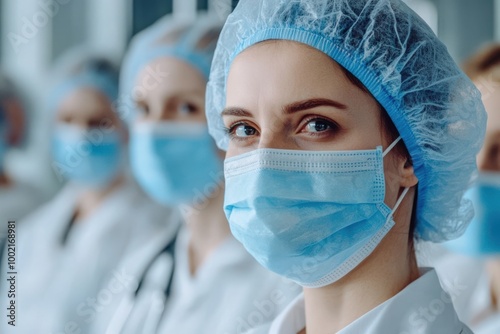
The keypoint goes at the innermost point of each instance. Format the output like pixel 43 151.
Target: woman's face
pixel 13 116
pixel 489 156
pixel 285 95
pixel 89 109
pixel 177 96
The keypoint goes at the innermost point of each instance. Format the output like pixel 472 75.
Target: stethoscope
pixel 127 305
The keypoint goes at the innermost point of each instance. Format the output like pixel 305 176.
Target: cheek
pixel 232 151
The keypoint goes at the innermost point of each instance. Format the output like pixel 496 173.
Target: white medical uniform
pixel 16 201
pixel 229 294
pixel 60 286
pixel 423 307
pixel 137 307
pixel 466 280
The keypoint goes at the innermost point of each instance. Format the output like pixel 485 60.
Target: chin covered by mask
pixel 91 158
pixel 482 237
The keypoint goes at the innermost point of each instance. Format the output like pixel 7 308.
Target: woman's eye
pixel 143 109
pixel 243 131
pixel 187 108
pixel 318 125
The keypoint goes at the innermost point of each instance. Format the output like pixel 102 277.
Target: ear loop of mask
pixel 405 191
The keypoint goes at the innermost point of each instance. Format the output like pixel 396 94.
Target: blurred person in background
pixel 470 268
pixel 215 285
pixel 71 245
pixel 17 197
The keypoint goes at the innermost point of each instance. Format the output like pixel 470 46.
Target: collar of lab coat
pixel 422 307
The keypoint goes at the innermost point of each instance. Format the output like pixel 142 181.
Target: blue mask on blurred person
pixel 92 158
pixel 482 237
pixel 175 163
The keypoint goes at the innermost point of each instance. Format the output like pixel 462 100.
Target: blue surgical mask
pixel 92 158
pixel 306 215
pixel 482 237
pixel 175 163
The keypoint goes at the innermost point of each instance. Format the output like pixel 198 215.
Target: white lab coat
pixel 60 285
pixel 16 201
pixel 466 279
pixel 229 294
pixel 133 310
pixel 422 307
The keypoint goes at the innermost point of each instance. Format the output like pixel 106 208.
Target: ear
pixel 407 173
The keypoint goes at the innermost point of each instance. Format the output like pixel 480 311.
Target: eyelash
pixel 333 125
pixel 230 131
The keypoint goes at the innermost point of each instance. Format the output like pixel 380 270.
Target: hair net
pixel 390 49
pixel 193 42
pixel 76 71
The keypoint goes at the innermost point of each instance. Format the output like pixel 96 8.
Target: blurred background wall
pixel 35 32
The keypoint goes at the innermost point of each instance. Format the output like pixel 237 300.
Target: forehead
pixel 283 70
pixel 169 75
pixel 85 102
pixel 491 101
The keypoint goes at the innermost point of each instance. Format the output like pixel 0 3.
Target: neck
pixel 494 274
pixel 208 228
pixel 90 200
pixel 389 269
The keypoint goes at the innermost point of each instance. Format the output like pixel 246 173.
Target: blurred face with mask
pixel 89 139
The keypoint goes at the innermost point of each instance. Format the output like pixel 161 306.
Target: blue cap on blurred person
pixel 78 69
pixel 391 50
pixel 192 41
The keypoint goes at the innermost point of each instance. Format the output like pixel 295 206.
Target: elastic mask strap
pixel 388 149
pixel 398 203
pixel 400 199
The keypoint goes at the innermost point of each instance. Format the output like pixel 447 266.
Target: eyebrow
pixel 234 111
pixel 289 109
pixel 312 103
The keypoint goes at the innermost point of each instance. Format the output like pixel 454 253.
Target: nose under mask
pixel 309 216
pixel 175 163
pixel 90 158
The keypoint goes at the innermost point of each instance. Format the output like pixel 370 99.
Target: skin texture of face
pixel 285 95
pixel 14 116
pixel 88 108
pixel 488 158
pixel 179 96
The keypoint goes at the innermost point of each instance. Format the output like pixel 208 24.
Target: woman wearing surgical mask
pixel 349 132
pixel 215 285
pixel 471 270
pixel 17 197
pixel 71 246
